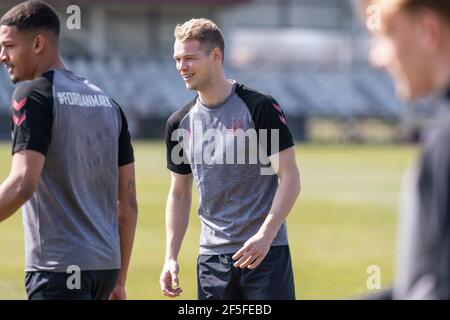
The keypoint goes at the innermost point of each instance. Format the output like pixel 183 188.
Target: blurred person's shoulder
pixel 436 137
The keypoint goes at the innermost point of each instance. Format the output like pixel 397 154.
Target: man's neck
pixel 55 63
pixel 217 92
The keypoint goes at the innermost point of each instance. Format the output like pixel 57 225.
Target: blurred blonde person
pixel 412 42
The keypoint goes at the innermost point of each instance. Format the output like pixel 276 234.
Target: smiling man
pixel 413 44
pixel 72 166
pixel 244 252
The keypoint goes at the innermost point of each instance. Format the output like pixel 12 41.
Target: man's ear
pixel 39 43
pixel 217 55
pixel 433 30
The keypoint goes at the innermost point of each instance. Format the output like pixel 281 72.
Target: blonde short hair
pixel 441 7
pixel 203 30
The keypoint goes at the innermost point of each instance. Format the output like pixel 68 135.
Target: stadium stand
pixel 152 88
pixel 146 89
pixel 319 70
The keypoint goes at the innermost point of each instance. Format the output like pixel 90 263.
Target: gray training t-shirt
pixel 226 148
pixel 72 217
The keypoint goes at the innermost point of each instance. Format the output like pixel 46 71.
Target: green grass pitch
pixel 343 222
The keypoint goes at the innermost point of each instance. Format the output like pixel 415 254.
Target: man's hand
pixel 169 279
pixel 253 252
pixel 118 293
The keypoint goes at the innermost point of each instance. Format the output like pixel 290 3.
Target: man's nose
pixel 4 57
pixel 183 65
pixel 2 54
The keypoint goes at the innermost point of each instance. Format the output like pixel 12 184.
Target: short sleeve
pixel 126 151
pixel 176 157
pixel 271 117
pixel 32 117
pixel 269 120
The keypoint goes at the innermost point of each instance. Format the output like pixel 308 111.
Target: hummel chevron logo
pixel 277 107
pixel 19 120
pixel 19 105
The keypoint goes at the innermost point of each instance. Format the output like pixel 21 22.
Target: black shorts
pixel 94 285
pixel 273 279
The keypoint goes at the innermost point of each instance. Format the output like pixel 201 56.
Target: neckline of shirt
pixel 57 69
pixel 220 104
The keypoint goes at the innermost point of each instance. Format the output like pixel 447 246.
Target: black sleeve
pixel 267 114
pixel 270 116
pixel 126 152
pixel 176 159
pixel 32 116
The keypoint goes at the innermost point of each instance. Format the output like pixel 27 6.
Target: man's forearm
pixel 22 182
pixel 177 220
pixel 127 230
pixel 12 196
pixel 284 199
